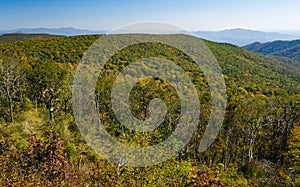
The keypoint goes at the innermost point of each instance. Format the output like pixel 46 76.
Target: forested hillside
pixel 289 49
pixel 40 144
pixel 8 38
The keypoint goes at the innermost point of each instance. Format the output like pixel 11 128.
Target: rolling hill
pixel 41 142
pixel 289 49
pixel 236 36
pixel 8 38
pixel 236 62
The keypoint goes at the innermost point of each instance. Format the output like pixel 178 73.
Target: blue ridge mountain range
pixel 66 31
pixel 288 49
pixel 240 37
pixel 243 37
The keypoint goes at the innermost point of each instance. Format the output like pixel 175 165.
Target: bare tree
pixel 11 81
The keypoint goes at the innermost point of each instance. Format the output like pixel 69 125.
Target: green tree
pixel 49 84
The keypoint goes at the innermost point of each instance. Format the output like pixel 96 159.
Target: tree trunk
pixel 250 151
pixel 10 102
pixel 51 110
pixel 11 110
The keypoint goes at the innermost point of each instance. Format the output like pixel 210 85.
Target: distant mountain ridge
pixel 240 37
pixel 289 49
pixel 243 37
pixel 66 31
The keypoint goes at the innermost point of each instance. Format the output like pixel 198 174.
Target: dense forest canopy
pixel 15 37
pixel 257 145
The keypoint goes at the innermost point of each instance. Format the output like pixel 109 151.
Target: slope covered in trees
pixel 8 38
pixel 257 144
pixel 289 49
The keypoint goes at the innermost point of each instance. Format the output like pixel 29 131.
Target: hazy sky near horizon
pixel 265 15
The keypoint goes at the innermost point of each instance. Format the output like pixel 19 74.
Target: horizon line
pixel 192 30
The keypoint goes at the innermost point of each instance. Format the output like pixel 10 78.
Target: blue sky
pixel 265 15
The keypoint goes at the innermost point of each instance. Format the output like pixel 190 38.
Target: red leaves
pixel 205 178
